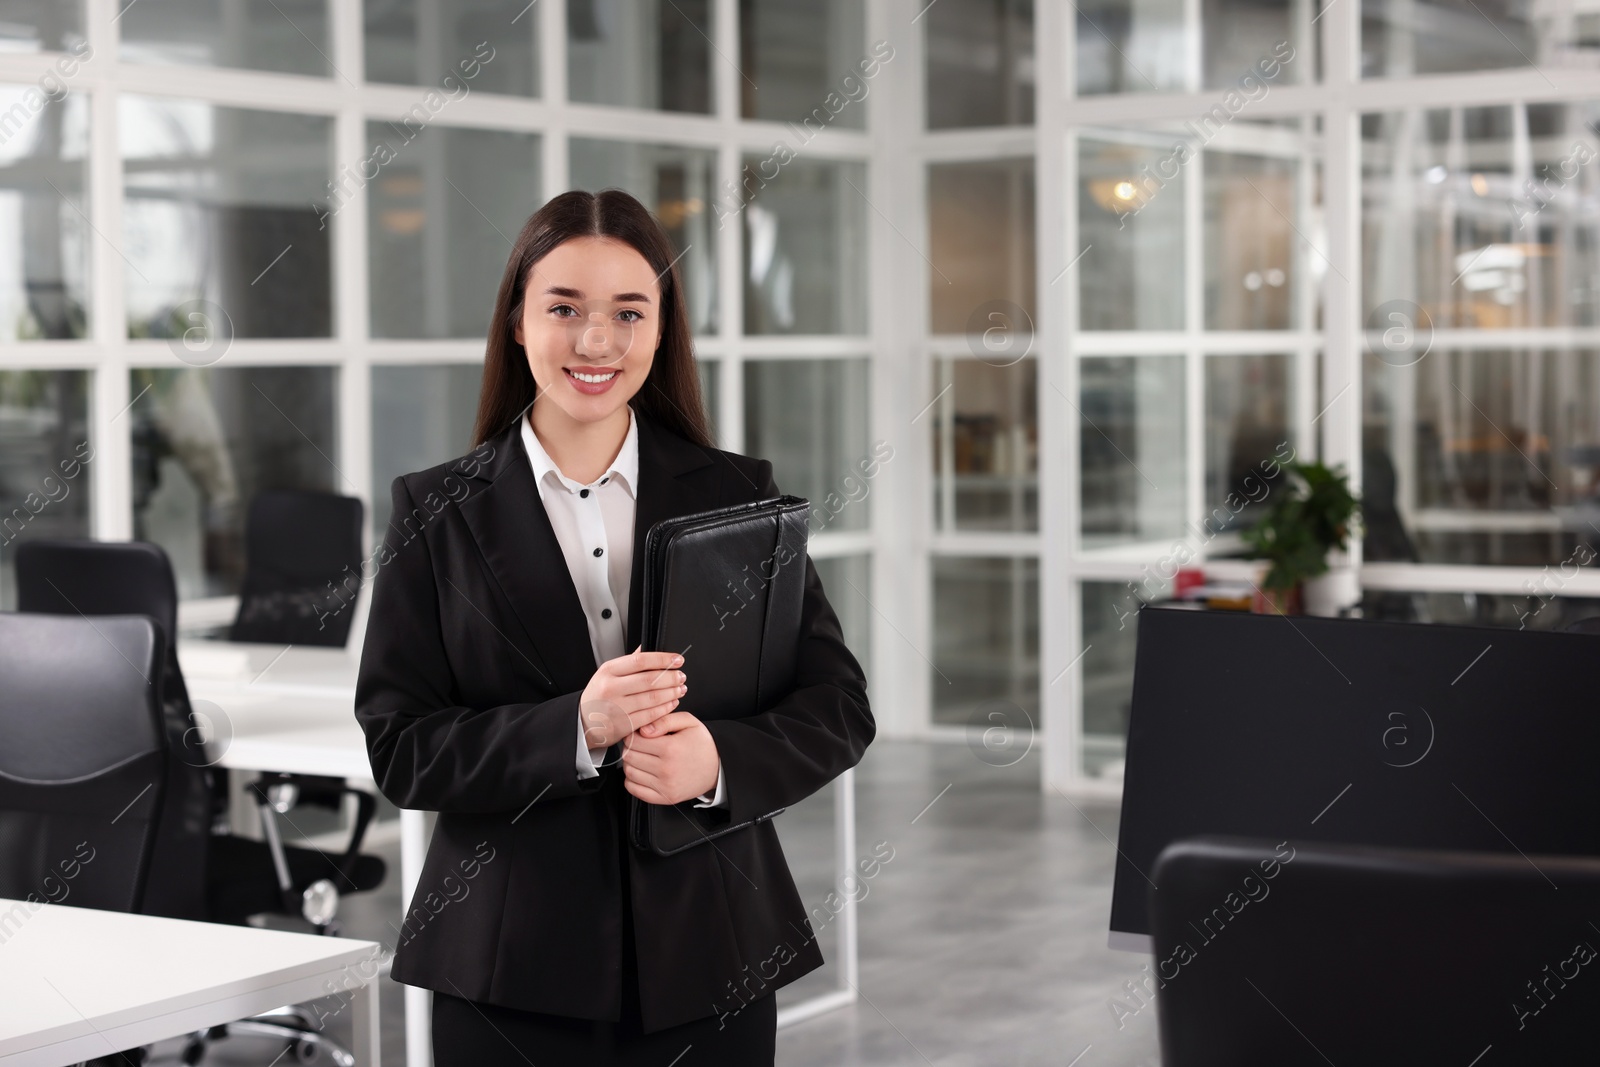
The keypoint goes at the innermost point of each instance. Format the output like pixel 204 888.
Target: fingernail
pixel 677 661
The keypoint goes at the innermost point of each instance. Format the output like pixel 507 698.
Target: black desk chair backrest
pixel 1289 954
pixel 302 569
pixel 91 578
pixel 1591 625
pixel 83 762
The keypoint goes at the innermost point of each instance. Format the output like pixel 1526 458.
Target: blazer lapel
pixel 509 522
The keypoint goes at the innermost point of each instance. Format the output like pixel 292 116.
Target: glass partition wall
pixel 1361 232
pixel 1024 296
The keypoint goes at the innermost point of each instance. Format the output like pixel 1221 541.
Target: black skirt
pixel 470 1033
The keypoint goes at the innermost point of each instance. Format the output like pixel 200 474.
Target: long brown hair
pixel 671 391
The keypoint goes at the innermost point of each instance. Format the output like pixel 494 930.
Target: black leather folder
pixel 724 589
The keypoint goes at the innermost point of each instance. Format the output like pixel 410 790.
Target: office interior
pixel 1074 273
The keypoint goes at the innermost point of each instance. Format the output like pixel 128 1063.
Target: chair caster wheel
pixel 306 1051
pixel 193 1052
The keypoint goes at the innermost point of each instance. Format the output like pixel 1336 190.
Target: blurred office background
pixel 1082 268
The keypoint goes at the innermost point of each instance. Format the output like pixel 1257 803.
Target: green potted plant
pixel 1308 517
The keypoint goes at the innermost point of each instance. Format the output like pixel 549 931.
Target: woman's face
pixel 592 308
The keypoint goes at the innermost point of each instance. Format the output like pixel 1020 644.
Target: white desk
pixel 294 710
pixel 77 983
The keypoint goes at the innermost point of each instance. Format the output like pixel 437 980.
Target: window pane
pixel 1131 449
pixel 980 63
pixel 679 186
pixel 793 56
pixel 647 53
pixel 1130 46
pixel 441 216
pixel 1454 223
pixel 1447 36
pixel 44 231
pixel 1250 241
pixel 1130 224
pixel 986 641
pixel 847 583
pixel 805 247
pixel 225 205
pixel 488 46
pixel 46 463
pixel 810 418
pixel 421 416
pixel 1110 636
pixel 1247 426
pixel 1141 46
pixel 1483 457
pixel 985 445
pixel 981 243
pixel 1251 42
pixel 710 372
pixel 42 26
pixel 205 440
pixel 287 36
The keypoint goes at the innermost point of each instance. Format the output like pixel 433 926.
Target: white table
pixel 77 983
pixel 293 710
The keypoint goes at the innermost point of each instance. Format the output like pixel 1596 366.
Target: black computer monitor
pixel 1306 729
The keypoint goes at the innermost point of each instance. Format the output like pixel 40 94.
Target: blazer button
pixel 599 551
pixel 605 613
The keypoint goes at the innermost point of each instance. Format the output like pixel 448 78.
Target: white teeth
pixel 593 379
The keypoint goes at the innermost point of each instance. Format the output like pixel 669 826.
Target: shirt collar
pixel 625 466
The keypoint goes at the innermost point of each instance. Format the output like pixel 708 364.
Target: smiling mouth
pixel 592 379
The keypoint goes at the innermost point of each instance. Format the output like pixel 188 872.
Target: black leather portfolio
pixel 723 588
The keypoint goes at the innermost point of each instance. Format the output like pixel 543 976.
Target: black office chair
pixel 302 569
pixel 302 576
pixel 83 764
pixel 197 872
pixel 1316 954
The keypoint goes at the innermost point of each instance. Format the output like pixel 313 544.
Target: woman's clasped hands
pixel 668 756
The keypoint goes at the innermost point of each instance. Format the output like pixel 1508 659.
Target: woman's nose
pixel 596 337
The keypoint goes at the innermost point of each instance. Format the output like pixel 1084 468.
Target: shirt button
pixel 603 481
pixel 599 551
pixel 583 492
pixel 605 613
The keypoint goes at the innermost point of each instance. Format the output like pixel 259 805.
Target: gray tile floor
pixel 983 938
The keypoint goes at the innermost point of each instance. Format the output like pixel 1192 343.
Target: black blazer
pixel 475 655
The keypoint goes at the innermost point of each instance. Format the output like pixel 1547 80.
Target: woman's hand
pixel 629 692
pixel 670 760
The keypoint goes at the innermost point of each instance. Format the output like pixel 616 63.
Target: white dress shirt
pixel 594 525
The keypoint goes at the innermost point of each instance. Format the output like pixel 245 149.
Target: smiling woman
pixel 496 686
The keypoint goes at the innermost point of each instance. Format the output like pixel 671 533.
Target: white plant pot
pixel 1329 593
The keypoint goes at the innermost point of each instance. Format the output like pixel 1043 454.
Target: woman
pixel 497 688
